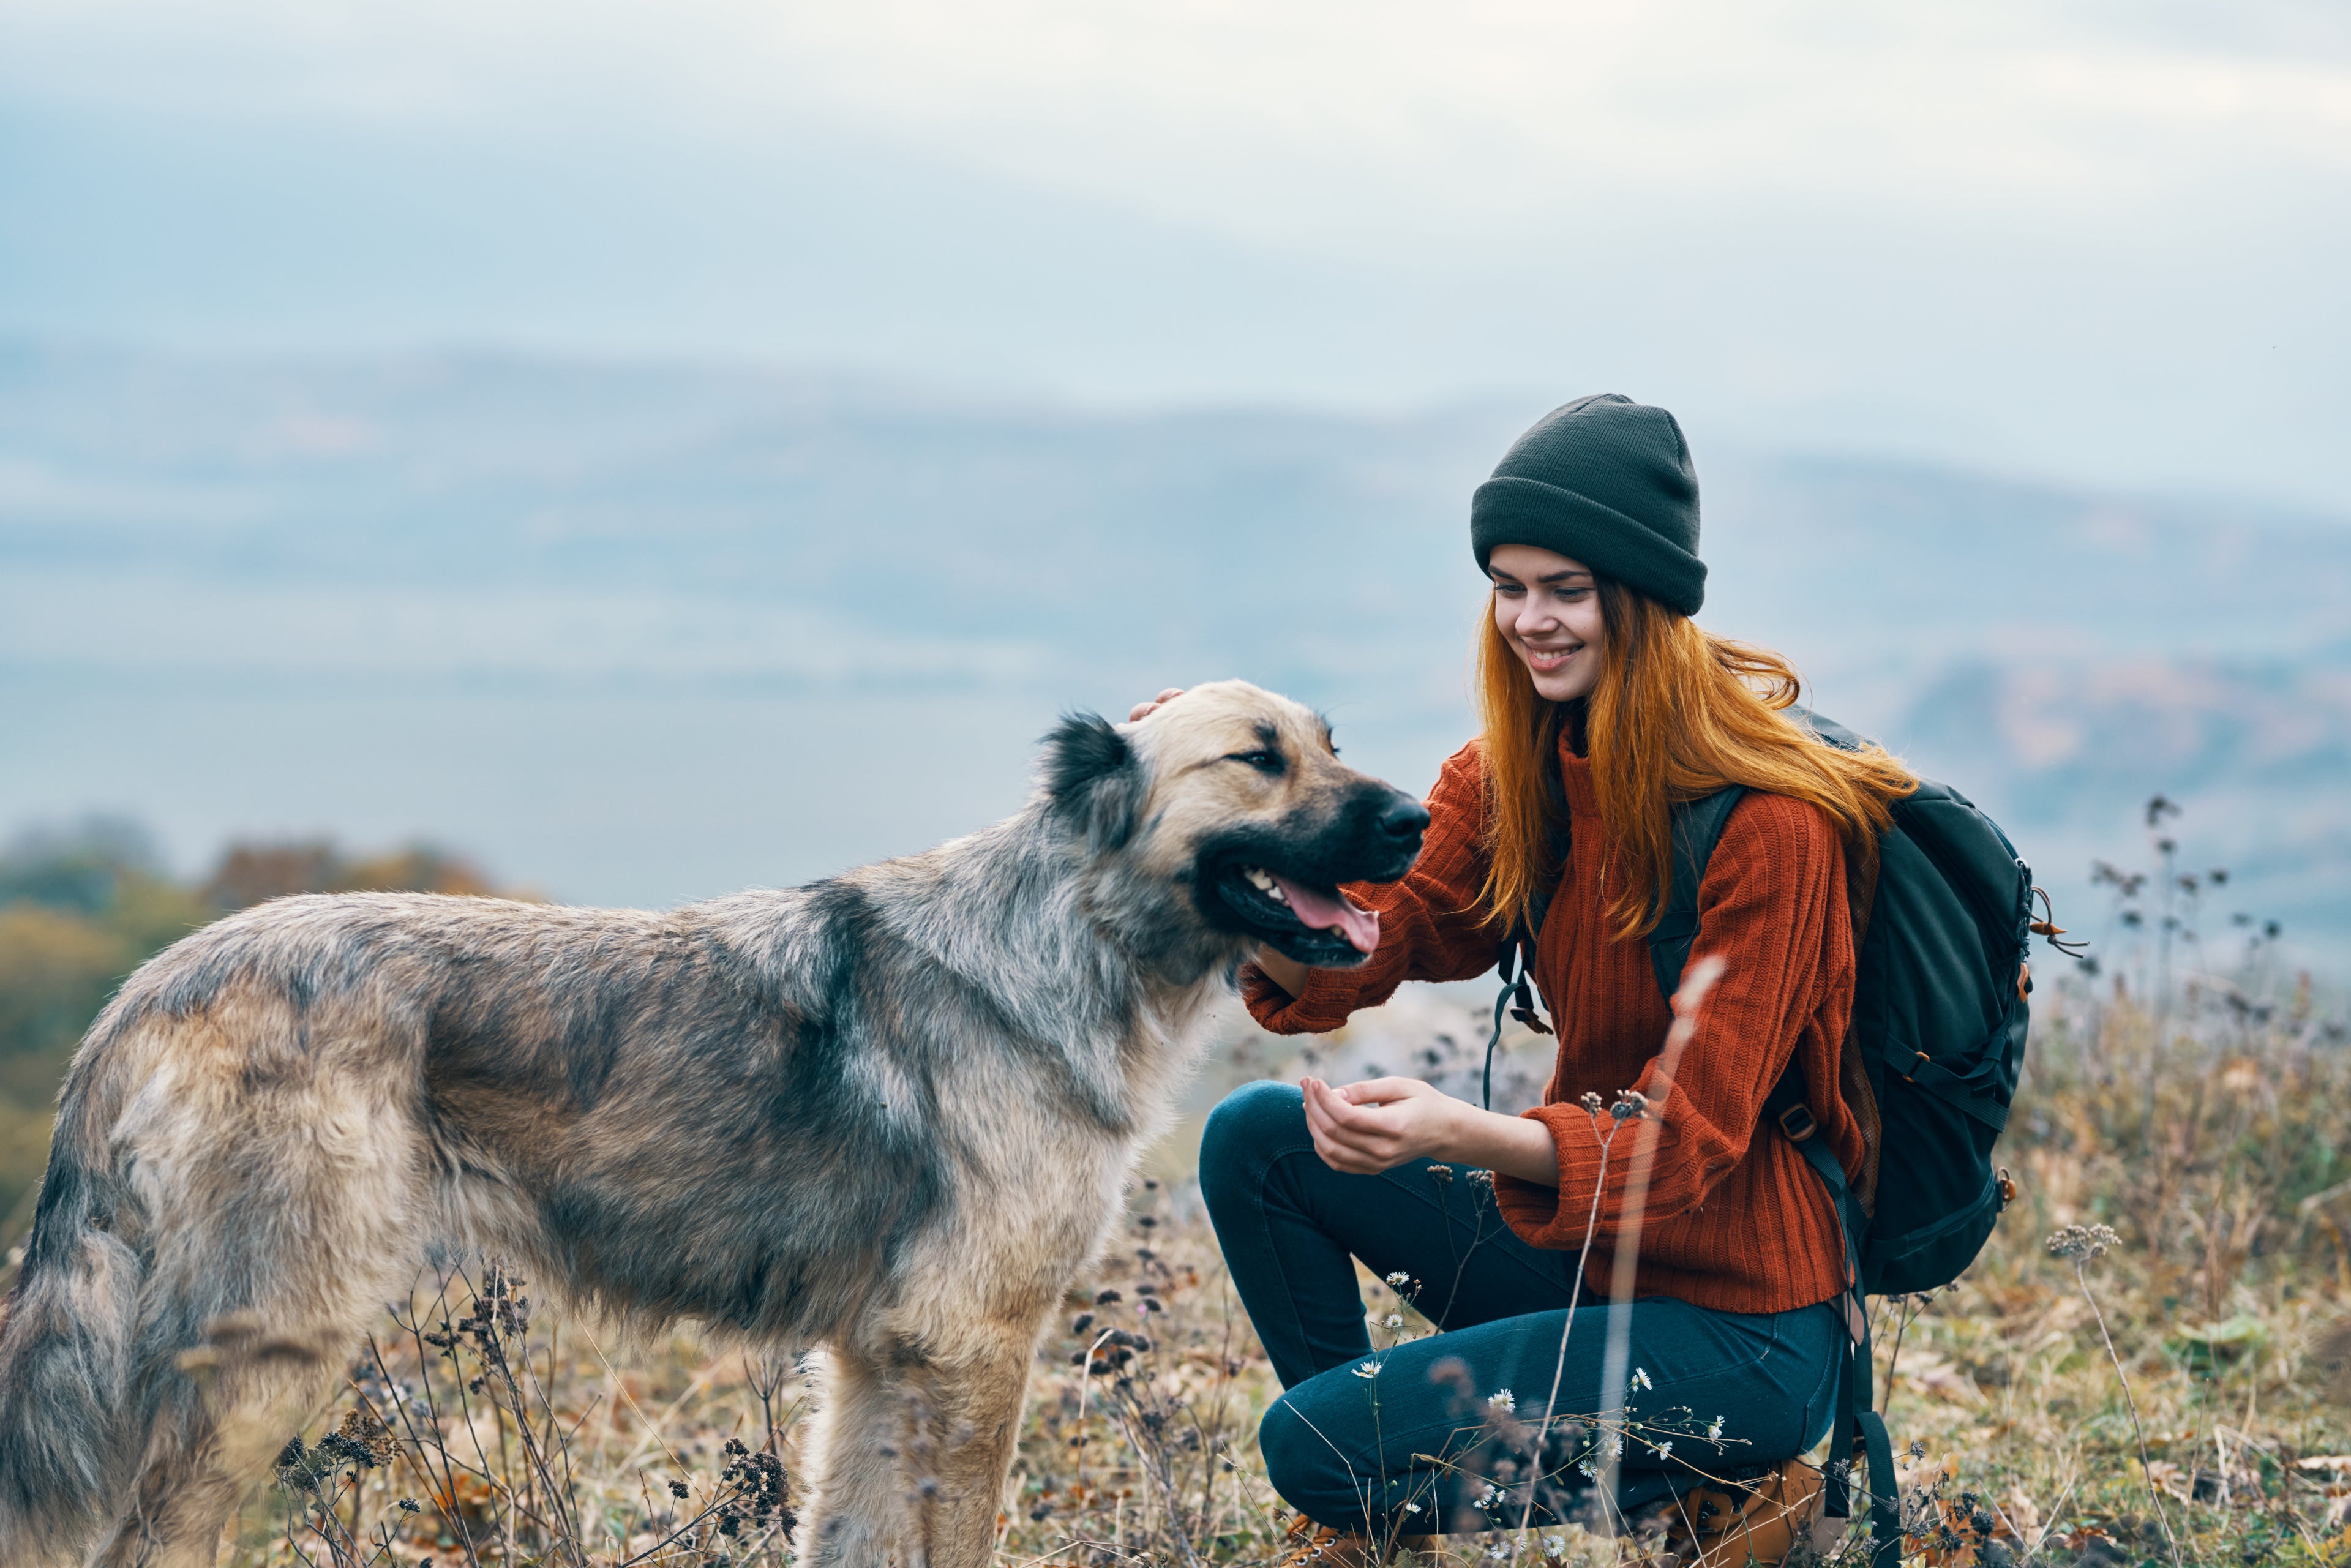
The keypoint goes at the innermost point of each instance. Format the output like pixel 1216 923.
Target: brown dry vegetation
pixel 2211 1131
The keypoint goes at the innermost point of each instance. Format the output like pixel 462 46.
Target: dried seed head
pixel 2079 1243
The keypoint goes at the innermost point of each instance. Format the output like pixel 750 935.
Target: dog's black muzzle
pixel 1255 879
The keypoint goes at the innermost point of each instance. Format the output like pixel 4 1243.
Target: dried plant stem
pixel 1893 1357
pixel 1085 1385
pixel 1160 1472
pixel 1574 1294
pixel 2154 1494
pixel 1695 986
pixel 1700 979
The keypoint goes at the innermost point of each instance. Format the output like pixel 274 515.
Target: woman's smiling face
pixel 1548 609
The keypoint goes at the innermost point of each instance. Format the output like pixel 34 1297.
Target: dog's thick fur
pixel 889 1115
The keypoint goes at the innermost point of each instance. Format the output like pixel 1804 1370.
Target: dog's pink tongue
pixel 1360 926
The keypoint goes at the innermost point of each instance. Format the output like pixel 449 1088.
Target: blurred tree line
pixel 82 907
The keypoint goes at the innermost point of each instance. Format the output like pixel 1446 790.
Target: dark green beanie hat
pixel 1607 482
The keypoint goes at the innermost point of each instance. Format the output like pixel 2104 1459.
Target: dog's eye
pixel 1264 761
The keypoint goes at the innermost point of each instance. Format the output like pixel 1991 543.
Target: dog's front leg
pixel 912 1449
pixel 857 1498
pixel 979 1398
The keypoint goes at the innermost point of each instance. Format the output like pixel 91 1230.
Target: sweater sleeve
pixel 1430 926
pixel 1772 906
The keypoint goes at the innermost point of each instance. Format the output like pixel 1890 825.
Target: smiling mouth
pixel 1285 906
pixel 1546 660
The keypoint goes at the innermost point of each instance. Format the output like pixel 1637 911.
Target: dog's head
pixel 1238 796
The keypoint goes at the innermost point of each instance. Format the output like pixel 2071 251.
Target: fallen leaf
pixel 1939 1376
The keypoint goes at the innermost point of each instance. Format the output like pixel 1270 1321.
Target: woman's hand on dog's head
pixel 1145 710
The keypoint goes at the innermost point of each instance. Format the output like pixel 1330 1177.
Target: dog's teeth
pixel 1261 880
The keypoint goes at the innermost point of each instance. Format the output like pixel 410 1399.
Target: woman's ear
pixel 1093 775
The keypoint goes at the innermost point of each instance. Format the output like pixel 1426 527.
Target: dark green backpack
pixel 1940 1018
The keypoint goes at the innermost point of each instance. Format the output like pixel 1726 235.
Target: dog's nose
pixel 1403 818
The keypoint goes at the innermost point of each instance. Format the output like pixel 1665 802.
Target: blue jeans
pixel 1408 1438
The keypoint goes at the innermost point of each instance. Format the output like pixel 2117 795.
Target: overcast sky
pixel 2102 242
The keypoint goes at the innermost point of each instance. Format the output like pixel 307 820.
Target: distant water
pixel 637 634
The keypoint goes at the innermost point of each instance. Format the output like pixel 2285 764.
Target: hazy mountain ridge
pixel 326 535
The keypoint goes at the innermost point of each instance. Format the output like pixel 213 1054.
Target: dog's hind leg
pixel 251 1384
pixel 277 1194
pixel 196 1469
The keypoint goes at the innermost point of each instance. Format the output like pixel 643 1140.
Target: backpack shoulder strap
pixel 1697 827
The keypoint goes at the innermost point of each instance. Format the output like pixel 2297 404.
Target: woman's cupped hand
pixel 1382 1123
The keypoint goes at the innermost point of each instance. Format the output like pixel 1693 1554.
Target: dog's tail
pixel 65 1349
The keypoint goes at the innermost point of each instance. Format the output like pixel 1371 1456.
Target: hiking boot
pixel 1313 1546
pixel 1757 1521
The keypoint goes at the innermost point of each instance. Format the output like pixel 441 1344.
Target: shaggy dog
pixel 891 1114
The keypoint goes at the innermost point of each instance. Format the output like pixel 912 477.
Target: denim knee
pixel 1246 1122
pixel 1306 1471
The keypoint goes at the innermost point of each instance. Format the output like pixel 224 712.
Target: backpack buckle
pixel 1797 1122
pixel 1524 1009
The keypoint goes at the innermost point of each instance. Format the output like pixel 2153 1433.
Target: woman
pixel 1602 707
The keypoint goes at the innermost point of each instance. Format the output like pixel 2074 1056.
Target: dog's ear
pixel 1090 773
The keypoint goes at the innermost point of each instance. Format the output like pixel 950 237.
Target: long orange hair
pixel 1678 713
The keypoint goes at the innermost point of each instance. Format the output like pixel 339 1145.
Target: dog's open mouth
pixel 1283 909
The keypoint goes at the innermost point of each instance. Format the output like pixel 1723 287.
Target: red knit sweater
pixel 1736 1219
